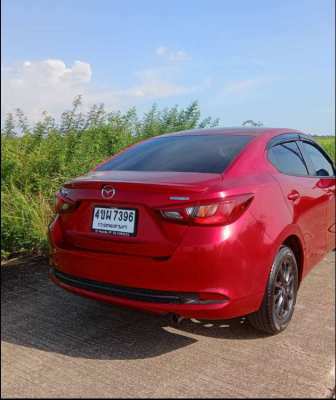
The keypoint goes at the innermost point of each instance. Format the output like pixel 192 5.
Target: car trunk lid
pixel 144 192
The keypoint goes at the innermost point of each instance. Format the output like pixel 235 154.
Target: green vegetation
pixel 38 159
pixel 328 143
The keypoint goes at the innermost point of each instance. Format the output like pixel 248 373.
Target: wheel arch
pixel 294 243
pixel 293 237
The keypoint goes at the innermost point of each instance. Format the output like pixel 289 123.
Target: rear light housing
pixel 64 205
pixel 214 212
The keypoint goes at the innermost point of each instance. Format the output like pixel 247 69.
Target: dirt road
pixel 55 344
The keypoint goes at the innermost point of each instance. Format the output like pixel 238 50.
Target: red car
pixel 208 223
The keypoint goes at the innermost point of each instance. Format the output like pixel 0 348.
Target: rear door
pixel 307 203
pixel 322 173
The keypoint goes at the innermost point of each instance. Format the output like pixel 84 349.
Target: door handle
pixel 293 195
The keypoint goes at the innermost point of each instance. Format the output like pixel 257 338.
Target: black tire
pixel 279 300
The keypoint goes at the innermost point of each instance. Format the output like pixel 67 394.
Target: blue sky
pixel 271 61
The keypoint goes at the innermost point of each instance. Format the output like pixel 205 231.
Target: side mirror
pixel 322 172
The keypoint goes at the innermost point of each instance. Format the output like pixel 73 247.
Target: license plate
pixel 115 221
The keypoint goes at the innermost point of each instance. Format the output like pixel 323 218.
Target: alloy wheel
pixel 284 290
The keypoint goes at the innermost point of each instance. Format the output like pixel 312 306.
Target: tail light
pixel 64 205
pixel 215 212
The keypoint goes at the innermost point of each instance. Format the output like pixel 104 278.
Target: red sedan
pixel 209 223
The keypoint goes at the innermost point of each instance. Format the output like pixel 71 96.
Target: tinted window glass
pixel 321 165
pixel 287 158
pixel 192 153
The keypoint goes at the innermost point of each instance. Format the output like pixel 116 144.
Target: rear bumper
pixel 223 310
pixel 181 302
pixel 217 265
pixel 145 295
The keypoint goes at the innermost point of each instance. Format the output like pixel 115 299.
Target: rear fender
pixel 293 230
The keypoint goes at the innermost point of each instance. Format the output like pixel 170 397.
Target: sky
pixel 270 61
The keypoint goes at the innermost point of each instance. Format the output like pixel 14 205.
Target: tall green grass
pixel 24 220
pixel 328 143
pixel 37 159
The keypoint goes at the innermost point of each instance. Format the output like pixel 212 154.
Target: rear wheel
pixel 279 300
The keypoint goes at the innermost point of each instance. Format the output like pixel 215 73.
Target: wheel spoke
pixel 279 305
pixel 278 285
pixel 288 273
pixel 282 277
pixel 285 303
pixel 277 296
pixel 290 280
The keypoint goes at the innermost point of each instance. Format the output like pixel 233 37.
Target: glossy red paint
pixel 226 265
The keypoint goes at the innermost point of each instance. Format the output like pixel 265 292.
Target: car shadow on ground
pixel 35 313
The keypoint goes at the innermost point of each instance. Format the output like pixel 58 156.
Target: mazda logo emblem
pixel 107 192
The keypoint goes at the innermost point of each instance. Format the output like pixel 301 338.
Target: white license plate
pixel 115 221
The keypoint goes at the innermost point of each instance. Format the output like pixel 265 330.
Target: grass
pixel 38 159
pixel 328 143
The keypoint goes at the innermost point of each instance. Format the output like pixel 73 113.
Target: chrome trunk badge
pixel 107 192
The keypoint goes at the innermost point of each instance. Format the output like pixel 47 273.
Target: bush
pixel 328 143
pixel 37 161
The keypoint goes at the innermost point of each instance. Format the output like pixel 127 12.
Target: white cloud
pixel 161 51
pixel 35 86
pixel 170 55
pixel 157 88
pixel 154 83
pixel 245 86
pixel 55 72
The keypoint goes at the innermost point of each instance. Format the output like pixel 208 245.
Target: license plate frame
pixel 110 232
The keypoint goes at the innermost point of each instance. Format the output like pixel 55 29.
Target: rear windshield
pixel 192 153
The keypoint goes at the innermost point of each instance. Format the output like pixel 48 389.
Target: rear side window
pixel 321 165
pixel 286 157
pixel 185 153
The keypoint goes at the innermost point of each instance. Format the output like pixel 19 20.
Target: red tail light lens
pixel 63 205
pixel 217 212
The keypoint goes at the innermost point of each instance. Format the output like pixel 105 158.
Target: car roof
pixel 246 131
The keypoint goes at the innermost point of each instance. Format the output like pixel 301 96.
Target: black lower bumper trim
pixel 147 295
